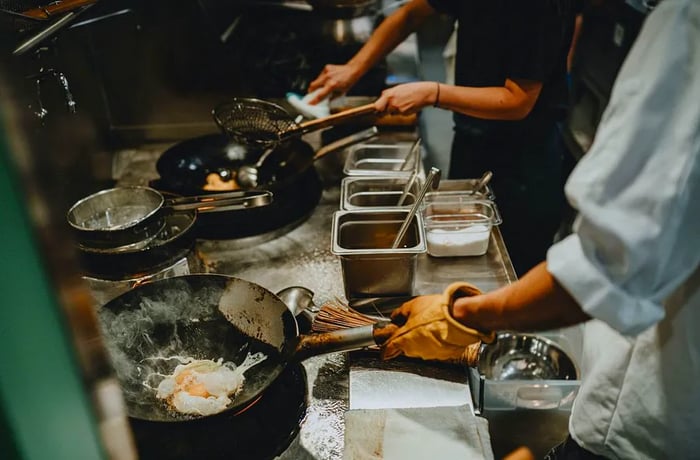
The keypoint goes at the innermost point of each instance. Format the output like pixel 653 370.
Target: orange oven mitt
pixel 423 328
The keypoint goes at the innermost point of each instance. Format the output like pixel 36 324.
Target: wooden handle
pixel 45 12
pixel 345 142
pixel 397 120
pixel 331 120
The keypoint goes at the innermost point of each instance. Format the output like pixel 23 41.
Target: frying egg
pixel 204 386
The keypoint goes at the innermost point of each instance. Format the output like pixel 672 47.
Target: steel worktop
pixel 302 257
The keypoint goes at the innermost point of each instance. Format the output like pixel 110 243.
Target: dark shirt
pixel 516 39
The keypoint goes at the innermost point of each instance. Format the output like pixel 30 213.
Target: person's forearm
pixel 535 302
pixel 513 101
pixel 390 33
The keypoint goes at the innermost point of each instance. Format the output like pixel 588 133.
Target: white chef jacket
pixel 632 263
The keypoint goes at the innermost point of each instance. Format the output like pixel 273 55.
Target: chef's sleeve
pixel 637 191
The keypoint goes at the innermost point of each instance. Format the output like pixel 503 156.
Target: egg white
pixel 204 386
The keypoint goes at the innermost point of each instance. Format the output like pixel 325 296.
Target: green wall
pixel 46 414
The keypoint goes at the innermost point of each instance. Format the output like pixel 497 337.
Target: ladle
pixel 247 175
pixel 432 181
pixel 300 301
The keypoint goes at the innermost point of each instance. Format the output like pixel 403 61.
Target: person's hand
pixel 333 79
pixel 407 98
pixel 424 328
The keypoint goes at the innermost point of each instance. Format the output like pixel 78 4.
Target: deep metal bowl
pixel 516 356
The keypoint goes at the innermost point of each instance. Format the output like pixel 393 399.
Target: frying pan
pixel 173 242
pixel 208 316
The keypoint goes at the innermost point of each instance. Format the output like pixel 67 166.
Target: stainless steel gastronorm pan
pixel 370 267
pixel 376 192
pixel 380 159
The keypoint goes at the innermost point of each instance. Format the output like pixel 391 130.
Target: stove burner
pixel 263 431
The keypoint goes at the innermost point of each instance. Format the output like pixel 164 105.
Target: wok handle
pixel 346 141
pixel 216 202
pixel 353 338
pixel 331 120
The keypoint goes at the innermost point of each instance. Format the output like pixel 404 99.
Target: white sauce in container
pixel 466 241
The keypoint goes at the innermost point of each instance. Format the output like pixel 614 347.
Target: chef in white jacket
pixel 630 270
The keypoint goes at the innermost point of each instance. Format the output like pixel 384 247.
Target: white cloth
pixel 633 262
pixel 417 433
pixel 301 104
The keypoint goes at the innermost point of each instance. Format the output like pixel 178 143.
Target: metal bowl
pixel 118 217
pixel 516 356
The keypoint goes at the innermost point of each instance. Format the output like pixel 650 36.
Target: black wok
pixel 184 168
pixel 187 164
pixel 208 317
pixel 288 173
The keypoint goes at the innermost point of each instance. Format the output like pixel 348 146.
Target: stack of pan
pixel 128 231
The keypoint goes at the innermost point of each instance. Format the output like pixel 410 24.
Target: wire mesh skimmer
pixel 262 123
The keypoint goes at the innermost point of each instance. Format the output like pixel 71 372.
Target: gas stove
pixel 260 432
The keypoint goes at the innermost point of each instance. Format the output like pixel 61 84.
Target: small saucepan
pixel 132 216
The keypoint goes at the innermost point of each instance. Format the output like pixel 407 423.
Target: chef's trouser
pixel 527 181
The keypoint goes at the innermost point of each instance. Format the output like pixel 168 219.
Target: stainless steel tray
pixel 380 160
pixel 376 192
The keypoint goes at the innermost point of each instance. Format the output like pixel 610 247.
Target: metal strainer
pixel 262 123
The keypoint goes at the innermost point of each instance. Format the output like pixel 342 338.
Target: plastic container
pixel 370 267
pixel 458 225
pixel 376 192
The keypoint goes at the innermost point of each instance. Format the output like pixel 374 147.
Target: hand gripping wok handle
pixel 353 338
pixel 334 119
pixel 221 201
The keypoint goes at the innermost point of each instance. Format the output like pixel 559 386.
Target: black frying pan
pixel 208 317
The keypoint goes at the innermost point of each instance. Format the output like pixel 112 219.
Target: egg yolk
pixel 191 385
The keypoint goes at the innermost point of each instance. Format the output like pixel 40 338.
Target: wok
pixel 208 316
pixel 186 165
pixel 288 173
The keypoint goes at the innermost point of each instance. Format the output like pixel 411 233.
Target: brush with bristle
pixel 334 316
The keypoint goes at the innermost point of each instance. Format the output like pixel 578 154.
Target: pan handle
pixel 331 120
pixel 353 338
pixel 346 141
pixel 215 202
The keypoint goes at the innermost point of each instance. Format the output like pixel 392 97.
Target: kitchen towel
pixel 445 433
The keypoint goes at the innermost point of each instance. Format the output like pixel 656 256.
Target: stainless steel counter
pixel 340 381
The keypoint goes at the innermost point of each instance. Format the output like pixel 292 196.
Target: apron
pixel 526 161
